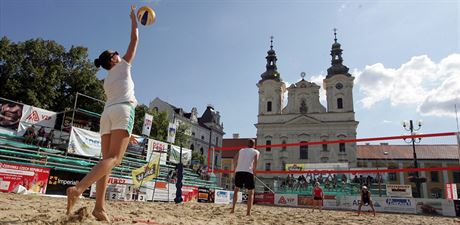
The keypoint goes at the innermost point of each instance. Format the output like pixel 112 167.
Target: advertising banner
pixel 172 132
pixel 203 194
pixel 84 142
pixel 10 114
pixel 36 116
pixel 399 190
pixel 222 197
pixel 286 199
pixel 264 198
pixel 60 180
pixel 435 207
pixel 154 148
pixel 146 172
pixel 137 148
pixel 147 126
pixel 457 207
pixel 295 167
pixel 174 155
pixel 34 179
pixel 451 190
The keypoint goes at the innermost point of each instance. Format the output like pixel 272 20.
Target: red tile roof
pixel 406 152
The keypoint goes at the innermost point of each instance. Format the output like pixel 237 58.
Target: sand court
pixel 32 209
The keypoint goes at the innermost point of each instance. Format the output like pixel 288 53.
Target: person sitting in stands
pixel 49 138
pixel 29 135
pixel 41 137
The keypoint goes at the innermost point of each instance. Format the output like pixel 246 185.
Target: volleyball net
pixel 420 164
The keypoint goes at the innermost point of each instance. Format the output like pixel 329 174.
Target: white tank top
pixel 245 159
pixel 118 85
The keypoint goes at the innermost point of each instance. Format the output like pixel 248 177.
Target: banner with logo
pixel 34 179
pixel 147 126
pixel 399 190
pixel 154 148
pixel 84 142
pixel 174 155
pixel 172 128
pixel 264 198
pixel 10 114
pixel 147 172
pixel 286 199
pixel 294 167
pixel 203 194
pixel 222 197
pixel 451 190
pixel 434 207
pixel 60 180
pixel 36 116
pixel 137 148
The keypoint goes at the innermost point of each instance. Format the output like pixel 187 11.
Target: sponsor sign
pixel 399 190
pixel 139 147
pixel 36 116
pixel 203 194
pixel 171 132
pixel 286 199
pixel 174 155
pixel 146 172
pixel 264 198
pixel 84 142
pixel 435 207
pixel 60 180
pixel 399 205
pixel 457 207
pixel 294 167
pixel 10 114
pixel 34 179
pixel 155 148
pixel 147 126
pixel 451 190
pixel 222 197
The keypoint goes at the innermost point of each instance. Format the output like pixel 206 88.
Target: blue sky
pixel 404 54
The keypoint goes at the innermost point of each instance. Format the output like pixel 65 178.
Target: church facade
pixel 302 118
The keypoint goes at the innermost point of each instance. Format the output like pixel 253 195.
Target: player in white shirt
pixel 116 122
pixel 246 165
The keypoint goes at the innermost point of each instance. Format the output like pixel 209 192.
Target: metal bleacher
pixel 13 150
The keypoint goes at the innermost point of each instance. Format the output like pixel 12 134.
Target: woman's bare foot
pixel 101 215
pixel 72 197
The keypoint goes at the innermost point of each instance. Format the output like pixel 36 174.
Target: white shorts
pixel 117 117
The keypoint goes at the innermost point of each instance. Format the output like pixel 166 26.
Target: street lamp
pixel 409 126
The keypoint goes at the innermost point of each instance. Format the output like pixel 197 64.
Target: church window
pixel 340 103
pixel 341 147
pixel 268 148
pixel 283 148
pixel 268 166
pixel 269 106
pixel 303 150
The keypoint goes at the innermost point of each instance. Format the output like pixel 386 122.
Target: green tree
pixel 196 155
pixel 160 123
pixel 182 134
pixel 43 74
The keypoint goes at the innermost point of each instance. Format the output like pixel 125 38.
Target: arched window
pixel 283 148
pixel 269 106
pixel 201 150
pixel 340 103
pixel 192 147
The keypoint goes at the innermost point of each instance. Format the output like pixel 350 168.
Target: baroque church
pixel 302 118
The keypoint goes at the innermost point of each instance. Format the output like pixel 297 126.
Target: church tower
pixel 338 83
pixel 271 87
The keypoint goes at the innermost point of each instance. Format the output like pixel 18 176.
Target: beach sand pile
pixel 29 209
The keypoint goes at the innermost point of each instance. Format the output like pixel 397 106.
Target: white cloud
pixel 433 87
pixel 318 79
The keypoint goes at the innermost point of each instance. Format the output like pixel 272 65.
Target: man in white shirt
pixel 245 164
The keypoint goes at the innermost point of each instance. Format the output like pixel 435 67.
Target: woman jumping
pixel 116 122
